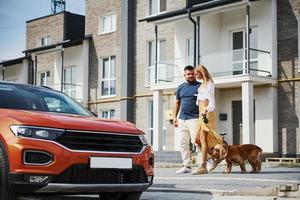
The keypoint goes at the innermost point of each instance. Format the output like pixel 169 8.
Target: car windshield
pixel 26 97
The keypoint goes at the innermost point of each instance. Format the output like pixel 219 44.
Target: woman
pixel 206 103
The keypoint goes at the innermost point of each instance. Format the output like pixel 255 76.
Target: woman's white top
pixel 207 92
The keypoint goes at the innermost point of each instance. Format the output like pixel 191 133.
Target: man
pixel 186 103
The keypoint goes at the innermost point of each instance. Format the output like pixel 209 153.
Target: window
pixel 150 137
pixel 44 41
pixel 156 6
pixel 44 78
pixel 108 114
pixel 107 24
pixel 161 58
pixel 239 61
pixel 150 122
pixel 69 81
pixel 108 76
pixel 189 49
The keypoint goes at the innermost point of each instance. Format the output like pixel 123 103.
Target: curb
pixel 268 191
pixel 280 191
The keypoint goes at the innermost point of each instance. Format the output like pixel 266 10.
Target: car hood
pixel 67 121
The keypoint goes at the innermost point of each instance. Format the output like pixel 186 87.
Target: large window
pixel 156 6
pixel 44 41
pixel 108 114
pixel 44 78
pixel 189 49
pixel 239 61
pixel 161 58
pixel 150 137
pixel 150 122
pixel 69 81
pixel 107 24
pixel 108 76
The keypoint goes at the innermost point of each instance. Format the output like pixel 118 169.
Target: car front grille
pixel 83 174
pixel 99 141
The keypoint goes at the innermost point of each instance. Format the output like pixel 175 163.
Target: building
pixel 237 41
pixel 130 57
pixel 56 55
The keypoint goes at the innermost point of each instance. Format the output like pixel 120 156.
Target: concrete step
pixel 168 156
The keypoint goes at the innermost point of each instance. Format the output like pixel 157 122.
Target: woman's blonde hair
pixel 205 74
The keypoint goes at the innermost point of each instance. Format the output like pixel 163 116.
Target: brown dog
pixel 238 154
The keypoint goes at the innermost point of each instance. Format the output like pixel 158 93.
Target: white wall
pixel 265 110
pixel 215 36
pixel 73 57
pixel 260 17
pixel 16 73
pixel 183 30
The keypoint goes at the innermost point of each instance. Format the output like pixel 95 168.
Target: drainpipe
pixel 198 24
pixel 248 38
pixel 35 70
pixel 3 68
pixel 195 34
pixel 62 71
pixel 156 48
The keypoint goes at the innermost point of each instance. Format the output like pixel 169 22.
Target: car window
pixel 40 99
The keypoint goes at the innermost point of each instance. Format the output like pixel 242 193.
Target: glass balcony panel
pixel 219 64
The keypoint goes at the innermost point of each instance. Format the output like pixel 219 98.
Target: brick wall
pixel 103 45
pixel 288 92
pixel 52 25
pixel 144 34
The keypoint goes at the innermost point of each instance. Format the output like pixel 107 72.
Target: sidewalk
pixel 272 181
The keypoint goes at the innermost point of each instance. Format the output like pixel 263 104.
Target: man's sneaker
pixel 184 170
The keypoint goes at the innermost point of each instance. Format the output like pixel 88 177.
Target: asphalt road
pixel 171 186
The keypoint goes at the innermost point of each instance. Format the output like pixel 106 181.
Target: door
pixel 237 120
pixel 239 61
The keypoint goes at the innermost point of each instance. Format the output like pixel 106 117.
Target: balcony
pixel 221 65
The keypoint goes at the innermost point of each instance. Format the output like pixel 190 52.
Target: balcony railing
pixel 219 64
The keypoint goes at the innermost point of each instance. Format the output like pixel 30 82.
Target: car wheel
pixel 5 192
pixel 120 196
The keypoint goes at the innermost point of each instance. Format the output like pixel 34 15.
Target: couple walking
pixel 195 103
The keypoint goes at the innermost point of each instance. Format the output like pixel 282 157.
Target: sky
pixel 13 17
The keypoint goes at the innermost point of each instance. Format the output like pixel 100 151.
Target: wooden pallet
pixel 283 160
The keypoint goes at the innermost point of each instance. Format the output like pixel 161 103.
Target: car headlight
pixel 143 139
pixel 36 132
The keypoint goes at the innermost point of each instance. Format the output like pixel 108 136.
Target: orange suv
pixel 49 144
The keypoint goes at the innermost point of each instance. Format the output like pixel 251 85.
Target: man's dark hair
pixel 189 67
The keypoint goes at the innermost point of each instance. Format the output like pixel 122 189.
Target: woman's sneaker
pixel 200 170
pixel 184 170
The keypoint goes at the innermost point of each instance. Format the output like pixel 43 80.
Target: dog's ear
pixel 223 152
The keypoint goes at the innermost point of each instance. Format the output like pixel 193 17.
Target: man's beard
pixel 190 81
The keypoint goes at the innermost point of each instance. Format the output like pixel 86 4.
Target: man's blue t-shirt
pixel 186 95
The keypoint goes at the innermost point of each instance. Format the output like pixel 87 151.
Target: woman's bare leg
pixel 204 146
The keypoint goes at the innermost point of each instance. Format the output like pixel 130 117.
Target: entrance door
pixel 237 120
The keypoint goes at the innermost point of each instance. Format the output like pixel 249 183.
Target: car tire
pixel 5 192
pixel 121 196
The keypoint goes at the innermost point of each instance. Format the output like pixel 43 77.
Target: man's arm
pixel 176 110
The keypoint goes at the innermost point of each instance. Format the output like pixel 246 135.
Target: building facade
pixel 288 77
pixel 128 58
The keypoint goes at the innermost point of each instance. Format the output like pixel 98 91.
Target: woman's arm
pixel 210 93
